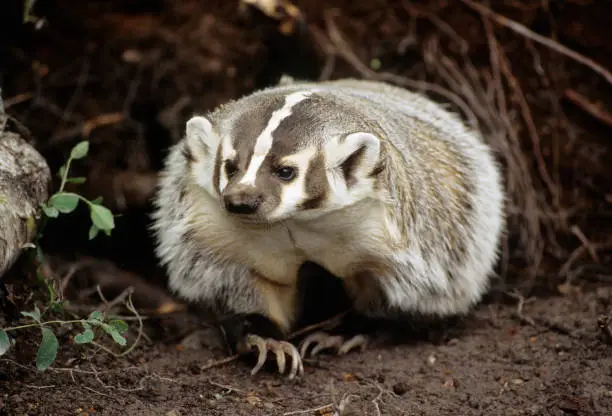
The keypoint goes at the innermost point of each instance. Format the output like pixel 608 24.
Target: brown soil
pixel 492 365
pixel 126 74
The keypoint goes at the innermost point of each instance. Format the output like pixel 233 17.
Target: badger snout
pixel 242 200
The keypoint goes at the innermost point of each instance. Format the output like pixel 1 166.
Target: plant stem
pixel 13 328
pixel 87 201
pixel 65 175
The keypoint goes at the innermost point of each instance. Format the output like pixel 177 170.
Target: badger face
pixel 284 155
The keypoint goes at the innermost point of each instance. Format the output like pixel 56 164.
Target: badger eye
pixel 230 168
pixel 285 173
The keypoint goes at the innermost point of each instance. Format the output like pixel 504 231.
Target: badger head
pixel 277 155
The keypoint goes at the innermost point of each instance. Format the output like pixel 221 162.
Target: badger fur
pixel 380 186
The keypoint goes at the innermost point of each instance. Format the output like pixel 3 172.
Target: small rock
pixel 400 388
pixel 194 368
pixel 431 359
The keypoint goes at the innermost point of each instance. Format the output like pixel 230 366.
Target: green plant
pixel 66 202
pixel 49 345
pixel 102 219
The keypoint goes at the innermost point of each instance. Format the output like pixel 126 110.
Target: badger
pixel 383 187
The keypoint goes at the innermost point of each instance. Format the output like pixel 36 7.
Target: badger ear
pixel 357 156
pixel 200 135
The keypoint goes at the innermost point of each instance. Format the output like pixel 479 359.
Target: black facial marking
pixel 231 168
pixel 316 185
pixel 217 169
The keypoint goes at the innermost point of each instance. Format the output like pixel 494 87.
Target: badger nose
pixel 242 203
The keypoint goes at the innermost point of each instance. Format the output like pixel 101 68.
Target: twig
pixel 542 322
pixel 579 252
pixel 85 128
pixel 550 43
pixel 592 108
pixel 529 122
pixel 314 409
pixel 17 99
pixel 344 50
pixel 333 320
pixel 519 309
pixel 585 241
pixel 439 23
pixel 230 388
pixel 95 391
pixel 70 273
pixel 377 398
pixel 78 91
pixel 220 362
pixel 132 309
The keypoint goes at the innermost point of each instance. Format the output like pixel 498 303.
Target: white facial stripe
pixel 294 192
pixel 227 152
pixel 263 144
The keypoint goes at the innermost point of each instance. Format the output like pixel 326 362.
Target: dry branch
pixel 550 43
pixel 24 185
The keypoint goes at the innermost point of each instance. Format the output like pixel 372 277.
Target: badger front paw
pixel 280 349
pixel 341 345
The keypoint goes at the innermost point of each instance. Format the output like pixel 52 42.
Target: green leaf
pixel 77 180
pixel 112 331
pixel 5 342
pixel 85 337
pixel 80 150
pixel 48 349
pixel 97 201
pixel 86 324
pixel 51 212
pixel 35 314
pixel 93 231
pixel 64 202
pixel 102 217
pixel 95 318
pixel 61 171
pixel 119 325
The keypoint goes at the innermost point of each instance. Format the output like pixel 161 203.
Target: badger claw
pixel 323 340
pixel 280 349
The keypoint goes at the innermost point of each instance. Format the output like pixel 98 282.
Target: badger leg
pixel 265 331
pixel 358 326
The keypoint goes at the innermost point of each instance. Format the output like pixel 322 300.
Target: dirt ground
pixel 125 75
pixel 491 365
